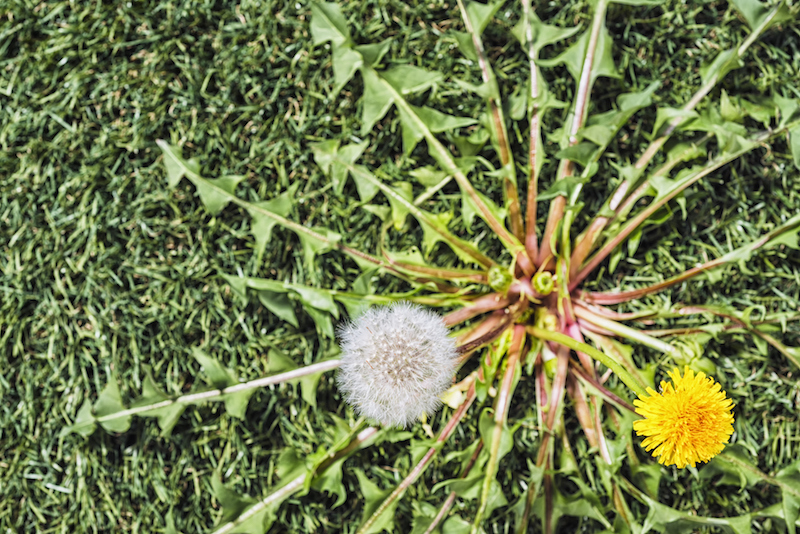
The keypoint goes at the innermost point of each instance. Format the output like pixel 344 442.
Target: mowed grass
pixel 105 274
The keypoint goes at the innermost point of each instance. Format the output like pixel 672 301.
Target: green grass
pixel 108 275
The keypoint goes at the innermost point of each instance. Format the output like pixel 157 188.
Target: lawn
pixel 110 276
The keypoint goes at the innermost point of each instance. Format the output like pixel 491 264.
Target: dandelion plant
pixel 512 260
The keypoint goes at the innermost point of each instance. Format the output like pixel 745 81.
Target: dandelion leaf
pixel 374 497
pixel 794 145
pixel 337 163
pixel 376 101
pixel 373 53
pixel 328 24
pixel 542 34
pixel 726 61
pixel 84 422
pixel 234 506
pixel 176 166
pixel 400 209
pixel 313 245
pixel 469 209
pixel 408 79
pixel 486 425
pixel 434 120
pixel 216 193
pixel 346 62
pixel 756 13
pixel 109 403
pixel 573 57
pixel 220 378
pixel 262 223
pixel 280 304
pixel 167 416
pixel 481 14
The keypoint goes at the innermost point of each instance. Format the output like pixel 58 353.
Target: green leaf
pixel 481 14
pixel 279 304
pixel 542 34
pixel 373 53
pixel 212 192
pixel 220 378
pixel 726 61
pixel 262 224
pixel 582 153
pixel 374 496
pixel 436 121
pixel 638 2
pixel 109 403
pixel 574 56
pixel 794 145
pixel 399 209
pixel 175 164
pixel 486 425
pixel 328 24
pixel 84 422
pixel 317 298
pixel 465 44
pixel 346 62
pixel 431 237
pixel 469 209
pixel 234 505
pixel 167 416
pixel 562 187
pixel 791 509
pixel 336 163
pixel 408 79
pixel 755 12
pixel 376 101
pixel 313 245
pixel 665 115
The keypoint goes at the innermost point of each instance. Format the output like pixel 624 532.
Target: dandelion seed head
pixel 396 361
pixel 688 422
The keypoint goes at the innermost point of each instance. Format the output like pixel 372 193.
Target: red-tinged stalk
pixel 297 483
pixel 502 404
pixel 495 325
pixel 449 165
pixel 600 389
pixel 654 206
pixel 584 248
pixel 582 410
pixel 481 305
pixel 780 347
pixel 624 331
pixel 415 473
pixel 540 380
pixel 440 273
pixel 534 151
pixel 574 331
pixel 499 128
pixel 580 107
pixel 611 314
pixel 607 298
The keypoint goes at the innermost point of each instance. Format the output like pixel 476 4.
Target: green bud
pixel 543 283
pixel 499 278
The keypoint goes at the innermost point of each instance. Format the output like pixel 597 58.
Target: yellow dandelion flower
pixel 686 423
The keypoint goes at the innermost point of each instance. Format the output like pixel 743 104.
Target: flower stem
pixel 627 378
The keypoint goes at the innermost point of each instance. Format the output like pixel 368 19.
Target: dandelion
pixel 686 423
pixel 396 361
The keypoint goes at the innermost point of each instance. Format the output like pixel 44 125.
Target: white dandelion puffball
pixel 396 361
